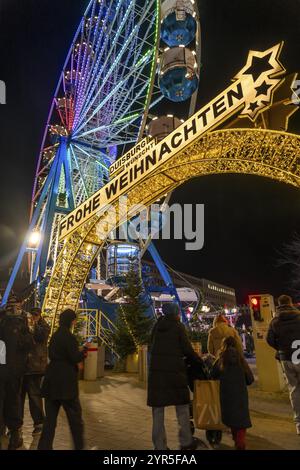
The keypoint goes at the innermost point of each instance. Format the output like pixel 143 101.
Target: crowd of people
pixel 172 354
pixel 48 373
pixel 23 361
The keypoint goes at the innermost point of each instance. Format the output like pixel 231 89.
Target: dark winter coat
pixel 233 392
pixel 61 377
pixel 16 336
pixel 197 370
pixel 167 382
pixel 38 355
pixel 284 329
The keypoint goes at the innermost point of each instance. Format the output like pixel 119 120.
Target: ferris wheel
pixel 107 86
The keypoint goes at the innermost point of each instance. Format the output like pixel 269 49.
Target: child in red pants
pixel 234 374
pixel 239 437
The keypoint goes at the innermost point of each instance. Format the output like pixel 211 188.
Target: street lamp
pixel 34 239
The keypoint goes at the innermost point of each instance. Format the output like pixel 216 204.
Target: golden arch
pixel 261 152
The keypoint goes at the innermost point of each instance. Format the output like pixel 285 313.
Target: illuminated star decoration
pixel 259 76
pixel 262 89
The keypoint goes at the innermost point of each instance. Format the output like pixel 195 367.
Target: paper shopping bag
pixel 206 405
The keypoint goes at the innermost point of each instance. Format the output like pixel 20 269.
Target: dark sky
pixel 247 218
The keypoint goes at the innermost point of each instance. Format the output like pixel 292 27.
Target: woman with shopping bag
pixel 235 375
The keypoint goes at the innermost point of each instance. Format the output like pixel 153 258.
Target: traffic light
pixel 255 305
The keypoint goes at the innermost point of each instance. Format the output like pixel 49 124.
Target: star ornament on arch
pixel 260 77
pixel 262 96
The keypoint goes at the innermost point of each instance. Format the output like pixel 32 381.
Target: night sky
pixel 247 218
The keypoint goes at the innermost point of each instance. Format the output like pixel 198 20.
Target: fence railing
pixel 94 323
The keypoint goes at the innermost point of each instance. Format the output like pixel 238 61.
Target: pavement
pixel 117 418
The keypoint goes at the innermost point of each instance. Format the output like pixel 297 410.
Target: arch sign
pixel 252 92
pixel 151 170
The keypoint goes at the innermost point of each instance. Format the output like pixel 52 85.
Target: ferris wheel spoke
pixel 99 48
pixel 76 54
pixel 84 181
pixel 143 61
pixel 140 75
pixel 97 73
pixel 116 62
pixel 115 129
pixel 46 167
pixel 89 62
pixel 126 100
pixel 95 150
pixel 62 119
pixel 79 170
pixel 119 85
pixel 93 157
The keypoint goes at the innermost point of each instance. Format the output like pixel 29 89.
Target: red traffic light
pixel 255 305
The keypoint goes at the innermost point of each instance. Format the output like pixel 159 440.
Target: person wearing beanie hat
pixel 60 386
pixel 168 381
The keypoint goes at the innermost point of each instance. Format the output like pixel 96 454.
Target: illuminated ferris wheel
pixel 117 69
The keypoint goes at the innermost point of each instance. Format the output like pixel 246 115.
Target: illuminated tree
pixel 133 327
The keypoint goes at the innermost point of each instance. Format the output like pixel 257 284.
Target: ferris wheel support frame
pixel 51 186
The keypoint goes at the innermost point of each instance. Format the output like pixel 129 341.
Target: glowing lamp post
pixel 34 239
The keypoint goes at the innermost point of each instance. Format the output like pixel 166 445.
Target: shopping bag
pixel 206 405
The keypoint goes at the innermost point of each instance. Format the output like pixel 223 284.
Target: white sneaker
pixel 298 429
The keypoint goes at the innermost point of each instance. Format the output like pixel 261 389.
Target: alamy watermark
pixel 2 92
pixel 296 92
pixel 158 222
pixel 296 354
pixel 2 353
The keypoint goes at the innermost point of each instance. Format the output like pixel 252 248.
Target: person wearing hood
pixel 221 330
pixel 60 386
pixel 167 381
pixel 234 374
pixel 283 331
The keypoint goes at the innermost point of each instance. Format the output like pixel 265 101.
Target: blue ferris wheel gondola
pixel 175 32
pixel 177 85
pixel 178 78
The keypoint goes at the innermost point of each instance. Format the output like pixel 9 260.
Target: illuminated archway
pixel 260 152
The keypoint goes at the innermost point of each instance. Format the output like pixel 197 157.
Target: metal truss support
pixel 43 216
pixel 166 277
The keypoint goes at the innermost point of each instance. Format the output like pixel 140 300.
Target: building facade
pixel 211 292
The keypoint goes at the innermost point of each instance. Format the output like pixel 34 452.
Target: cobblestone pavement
pixel 117 418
